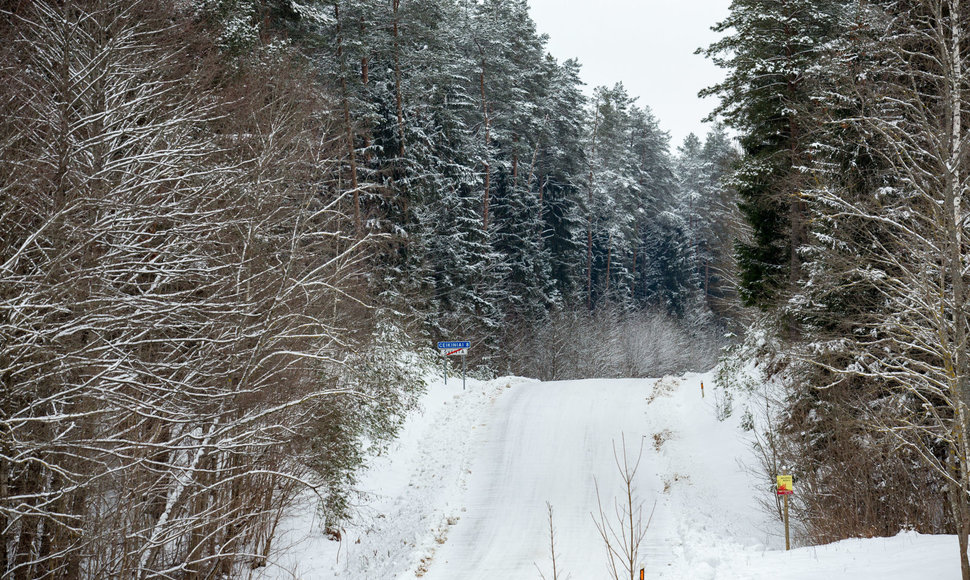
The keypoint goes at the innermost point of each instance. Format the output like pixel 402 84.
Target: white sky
pixel 647 44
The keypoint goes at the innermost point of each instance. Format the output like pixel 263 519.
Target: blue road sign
pixel 457 344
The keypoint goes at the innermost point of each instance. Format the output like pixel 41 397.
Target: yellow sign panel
pixel 785 485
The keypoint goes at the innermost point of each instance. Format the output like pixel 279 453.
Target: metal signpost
pixel 455 348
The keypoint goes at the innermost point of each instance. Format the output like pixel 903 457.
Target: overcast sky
pixel 647 44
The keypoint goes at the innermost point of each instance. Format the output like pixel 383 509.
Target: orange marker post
pixel 702 389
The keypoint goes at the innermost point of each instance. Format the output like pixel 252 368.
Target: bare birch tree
pixel 176 272
pixel 904 243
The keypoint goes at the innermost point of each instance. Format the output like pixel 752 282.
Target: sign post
pixel 785 489
pixel 455 348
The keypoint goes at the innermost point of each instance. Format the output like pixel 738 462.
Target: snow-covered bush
pixel 611 343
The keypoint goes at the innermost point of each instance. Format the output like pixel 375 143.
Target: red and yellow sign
pixel 785 485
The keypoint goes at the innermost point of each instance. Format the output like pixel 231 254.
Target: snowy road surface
pixel 462 494
pixel 547 443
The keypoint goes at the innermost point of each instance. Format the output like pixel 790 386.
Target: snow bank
pixel 907 556
pixel 462 493
pixel 409 496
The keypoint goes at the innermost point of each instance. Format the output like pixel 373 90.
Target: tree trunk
pixel 24 552
pixel 954 206
pixel 73 560
pixel 589 246
pixel 349 132
pixel 47 531
pixel 364 79
pixel 964 562
pixel 488 140
pixel 364 60
pixel 958 507
pixel 515 162
pixel 397 80
pixel 539 221
pixel 707 281
pixel 5 535
pixel 636 249
pixel 796 208
pixel 954 224
pixel 609 259
pixel 535 156
pixel 589 212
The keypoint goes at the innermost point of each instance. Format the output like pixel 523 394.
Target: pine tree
pixel 559 161
pixel 707 205
pixel 766 97
pixel 659 233
pixel 611 197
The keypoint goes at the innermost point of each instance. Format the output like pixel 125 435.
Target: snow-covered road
pixel 463 493
pixel 547 443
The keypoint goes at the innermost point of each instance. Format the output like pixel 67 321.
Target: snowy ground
pixel 463 492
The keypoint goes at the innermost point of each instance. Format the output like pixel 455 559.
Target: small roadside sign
pixel 784 488
pixel 785 485
pixel 455 348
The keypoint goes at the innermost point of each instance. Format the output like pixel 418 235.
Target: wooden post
pixel 463 358
pixel 785 487
pixel 787 541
